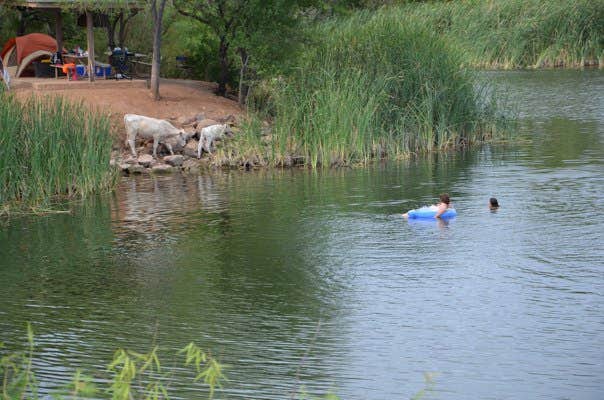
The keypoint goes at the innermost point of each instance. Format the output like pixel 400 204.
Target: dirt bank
pixel 179 99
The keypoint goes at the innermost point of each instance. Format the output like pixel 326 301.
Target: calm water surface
pixel 263 268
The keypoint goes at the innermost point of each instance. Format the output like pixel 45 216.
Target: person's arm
pixel 441 210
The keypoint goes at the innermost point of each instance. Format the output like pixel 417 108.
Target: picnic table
pixel 70 63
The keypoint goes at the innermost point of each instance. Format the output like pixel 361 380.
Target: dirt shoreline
pixel 179 99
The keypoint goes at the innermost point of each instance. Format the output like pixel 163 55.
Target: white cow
pixel 211 133
pixel 150 128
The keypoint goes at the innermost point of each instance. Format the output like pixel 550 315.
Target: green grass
pixel 51 150
pixel 518 33
pixel 374 85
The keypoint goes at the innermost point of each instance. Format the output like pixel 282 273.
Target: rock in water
pixel 175 160
pixel 132 168
pixel 190 149
pixel 161 169
pixel 146 160
pixel 191 165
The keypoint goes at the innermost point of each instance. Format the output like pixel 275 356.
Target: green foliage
pixel 197 42
pixel 7 16
pixel 429 386
pixel 16 373
pixel 207 367
pixel 261 33
pixel 375 84
pixel 51 150
pixel 271 34
pixel 80 387
pixel 519 33
pixel 126 366
pixel 133 375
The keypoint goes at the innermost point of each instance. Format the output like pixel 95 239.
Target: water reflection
pixel 265 267
pixel 564 143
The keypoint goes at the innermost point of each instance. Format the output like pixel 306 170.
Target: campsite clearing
pixel 180 99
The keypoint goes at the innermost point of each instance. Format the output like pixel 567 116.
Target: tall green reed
pixel 376 84
pixel 51 150
pixel 518 33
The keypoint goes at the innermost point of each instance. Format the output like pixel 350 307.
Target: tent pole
pixel 90 38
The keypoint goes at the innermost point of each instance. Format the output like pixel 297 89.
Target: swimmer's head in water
pixel 444 198
pixel 493 203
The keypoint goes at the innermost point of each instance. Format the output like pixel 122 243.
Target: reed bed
pixel 51 150
pixel 518 33
pixel 375 85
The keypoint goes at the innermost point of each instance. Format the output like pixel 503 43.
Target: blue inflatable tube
pixel 430 212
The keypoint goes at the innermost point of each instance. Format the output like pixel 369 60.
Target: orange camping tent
pixel 23 50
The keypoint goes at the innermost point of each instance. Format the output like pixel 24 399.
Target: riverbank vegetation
pixel 518 33
pixel 357 80
pixel 51 150
pixel 130 375
pixel 374 85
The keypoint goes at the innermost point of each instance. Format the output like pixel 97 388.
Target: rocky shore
pixel 184 159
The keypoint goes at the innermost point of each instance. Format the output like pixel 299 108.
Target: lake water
pixel 297 278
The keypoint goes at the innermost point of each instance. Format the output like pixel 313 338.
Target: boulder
pixel 132 168
pixel 175 160
pixel 162 169
pixel 185 120
pixel 191 165
pixel 190 149
pixel 146 160
pixel 191 120
pixel 228 119
pixel 131 160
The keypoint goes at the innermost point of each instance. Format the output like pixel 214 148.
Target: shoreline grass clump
pixel 518 33
pixel 51 150
pixel 375 85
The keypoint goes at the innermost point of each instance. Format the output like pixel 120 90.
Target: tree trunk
pixel 223 55
pixel 59 30
pixel 22 21
pixel 243 88
pixel 110 26
pixel 121 35
pixel 90 40
pixel 157 10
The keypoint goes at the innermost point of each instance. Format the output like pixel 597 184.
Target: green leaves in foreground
pixel 207 367
pixel 139 375
pixel 133 375
pixel 16 371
